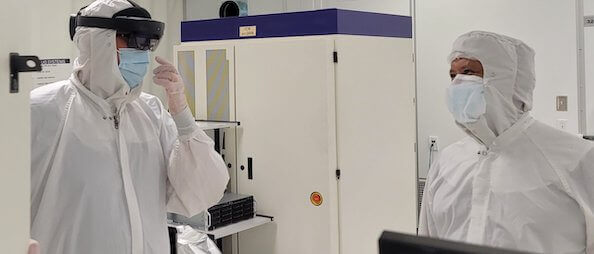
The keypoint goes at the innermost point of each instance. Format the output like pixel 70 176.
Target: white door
pixel 16 22
pixel 285 103
pixel 588 45
pixel 376 138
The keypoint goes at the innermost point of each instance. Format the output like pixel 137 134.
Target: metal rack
pixel 216 125
pixel 231 229
pixel 218 234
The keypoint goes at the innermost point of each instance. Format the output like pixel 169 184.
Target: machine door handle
pixel 250 168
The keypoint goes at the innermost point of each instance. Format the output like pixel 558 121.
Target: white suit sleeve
pixel 579 182
pixel 425 216
pixel 426 224
pixel 197 175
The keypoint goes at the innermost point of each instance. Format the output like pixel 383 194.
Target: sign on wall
pixel 53 70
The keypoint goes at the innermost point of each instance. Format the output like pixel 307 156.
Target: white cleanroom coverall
pixel 514 182
pixel 108 161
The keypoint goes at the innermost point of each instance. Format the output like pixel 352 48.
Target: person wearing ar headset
pixel 107 160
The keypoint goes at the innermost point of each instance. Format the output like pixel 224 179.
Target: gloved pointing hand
pixel 166 75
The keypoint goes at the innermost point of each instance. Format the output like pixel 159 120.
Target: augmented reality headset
pixel 134 24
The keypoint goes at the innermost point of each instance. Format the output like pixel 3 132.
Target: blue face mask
pixel 466 98
pixel 133 65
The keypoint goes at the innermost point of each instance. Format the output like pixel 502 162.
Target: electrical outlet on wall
pixel 562 124
pixel 433 143
pixel 561 103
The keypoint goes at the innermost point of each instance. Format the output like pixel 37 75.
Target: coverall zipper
pixel 116 117
pixel 475 233
pixel 116 121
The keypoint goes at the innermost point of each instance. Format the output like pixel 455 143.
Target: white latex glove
pixel 33 247
pixel 166 75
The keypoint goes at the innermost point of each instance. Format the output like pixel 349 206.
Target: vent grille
pixel 421 186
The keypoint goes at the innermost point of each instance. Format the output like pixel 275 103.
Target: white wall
pixel 549 26
pixel 51 35
pixel 209 9
pixel 15 132
pixel 51 30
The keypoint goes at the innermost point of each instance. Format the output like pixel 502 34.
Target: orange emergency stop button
pixel 316 198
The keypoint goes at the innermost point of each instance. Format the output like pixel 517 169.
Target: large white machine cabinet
pixel 326 141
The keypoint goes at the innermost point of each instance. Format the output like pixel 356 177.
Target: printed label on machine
pixel 53 70
pixel 247 31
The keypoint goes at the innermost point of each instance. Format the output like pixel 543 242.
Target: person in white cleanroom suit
pixel 514 182
pixel 108 161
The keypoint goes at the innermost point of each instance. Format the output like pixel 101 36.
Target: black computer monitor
pixel 392 243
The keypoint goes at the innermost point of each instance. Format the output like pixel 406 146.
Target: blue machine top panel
pixel 320 22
